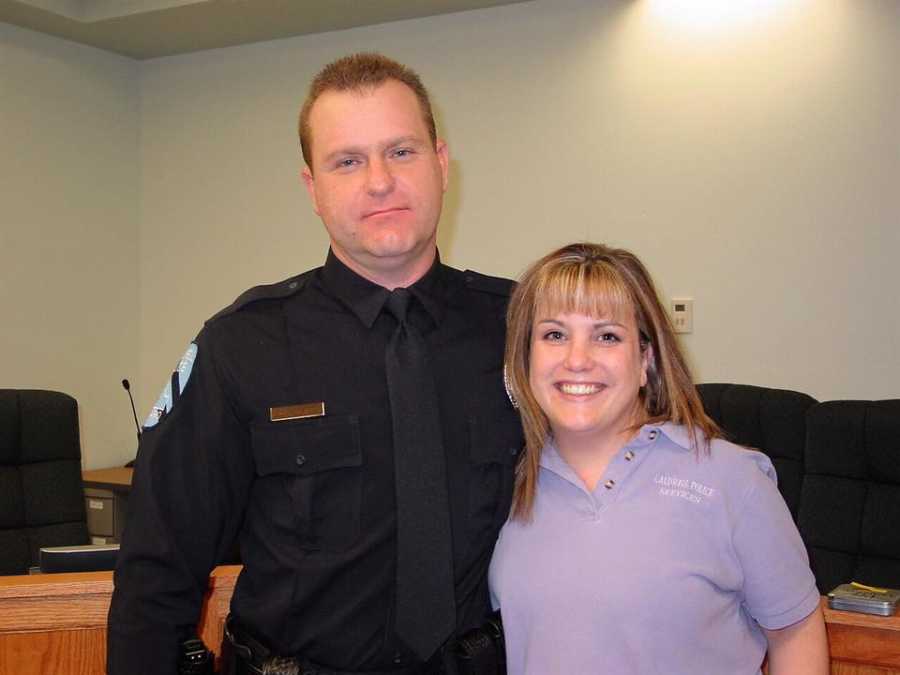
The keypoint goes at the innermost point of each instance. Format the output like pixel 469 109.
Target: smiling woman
pixel 626 494
pixel 594 306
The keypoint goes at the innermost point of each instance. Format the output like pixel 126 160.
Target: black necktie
pixel 426 605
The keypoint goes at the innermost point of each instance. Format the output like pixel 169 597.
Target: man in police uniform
pixel 277 427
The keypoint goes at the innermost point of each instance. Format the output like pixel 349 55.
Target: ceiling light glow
pixel 713 15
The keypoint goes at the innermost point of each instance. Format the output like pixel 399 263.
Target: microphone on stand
pixel 126 385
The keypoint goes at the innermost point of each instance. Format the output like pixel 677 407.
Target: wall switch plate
pixel 682 310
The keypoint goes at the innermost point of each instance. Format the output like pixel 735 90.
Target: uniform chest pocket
pixel 495 441
pixel 315 466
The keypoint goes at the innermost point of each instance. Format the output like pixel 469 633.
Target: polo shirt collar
pixel 366 299
pixel 677 434
pixel 551 460
pixel 647 435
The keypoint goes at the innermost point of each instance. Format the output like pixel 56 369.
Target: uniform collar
pixel 366 299
pixel 431 290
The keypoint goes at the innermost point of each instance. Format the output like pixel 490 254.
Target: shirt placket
pixel 619 470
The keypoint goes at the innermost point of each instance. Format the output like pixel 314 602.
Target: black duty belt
pixel 251 657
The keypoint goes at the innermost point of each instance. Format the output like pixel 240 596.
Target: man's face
pixel 377 181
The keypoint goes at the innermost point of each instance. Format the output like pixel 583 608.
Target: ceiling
pixel 145 29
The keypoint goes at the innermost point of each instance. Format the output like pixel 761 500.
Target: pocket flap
pixel 305 447
pixel 496 438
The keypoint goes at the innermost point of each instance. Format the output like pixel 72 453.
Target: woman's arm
pixel 799 649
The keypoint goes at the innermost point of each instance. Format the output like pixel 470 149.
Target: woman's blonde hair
pixel 599 281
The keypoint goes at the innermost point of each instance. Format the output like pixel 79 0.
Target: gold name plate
pixel 297 411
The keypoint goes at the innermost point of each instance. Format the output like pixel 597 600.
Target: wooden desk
pixel 861 644
pixel 117 479
pixel 56 623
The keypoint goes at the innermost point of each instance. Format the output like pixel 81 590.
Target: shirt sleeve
pixel 779 588
pixel 190 486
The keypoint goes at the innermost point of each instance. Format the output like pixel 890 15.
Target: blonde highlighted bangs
pixel 572 288
pixel 607 283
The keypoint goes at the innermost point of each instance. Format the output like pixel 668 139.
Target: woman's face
pixel 586 373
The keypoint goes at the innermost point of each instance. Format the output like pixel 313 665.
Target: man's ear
pixel 310 182
pixel 443 155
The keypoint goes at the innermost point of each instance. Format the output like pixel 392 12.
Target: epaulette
pixel 276 291
pixel 487 284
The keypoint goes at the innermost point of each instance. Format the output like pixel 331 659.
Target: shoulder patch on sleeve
pixel 174 388
pixel 281 289
pixel 488 284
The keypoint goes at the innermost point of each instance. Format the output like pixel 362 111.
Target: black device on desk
pixel 90 558
pixel 857 597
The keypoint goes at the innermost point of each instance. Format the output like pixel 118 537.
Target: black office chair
pixel 850 504
pixel 770 420
pixel 41 495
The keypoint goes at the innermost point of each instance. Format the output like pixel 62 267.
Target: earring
pixel 509 394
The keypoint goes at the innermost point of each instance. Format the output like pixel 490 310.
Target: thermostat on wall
pixel 682 314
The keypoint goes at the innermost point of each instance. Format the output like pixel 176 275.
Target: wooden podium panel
pixel 81 652
pixel 56 623
pixel 861 644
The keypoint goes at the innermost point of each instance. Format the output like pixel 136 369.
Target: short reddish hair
pixel 361 72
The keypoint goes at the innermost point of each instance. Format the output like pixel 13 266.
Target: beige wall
pixel 754 167
pixel 69 230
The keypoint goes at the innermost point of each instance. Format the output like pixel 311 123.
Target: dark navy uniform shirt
pixel 311 500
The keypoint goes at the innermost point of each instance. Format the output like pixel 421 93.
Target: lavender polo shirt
pixel 670 565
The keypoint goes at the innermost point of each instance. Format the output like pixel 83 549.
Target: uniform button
pixel 301 459
pixel 514 451
pixel 398 659
pixel 609 484
pixel 654 434
pixel 629 456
